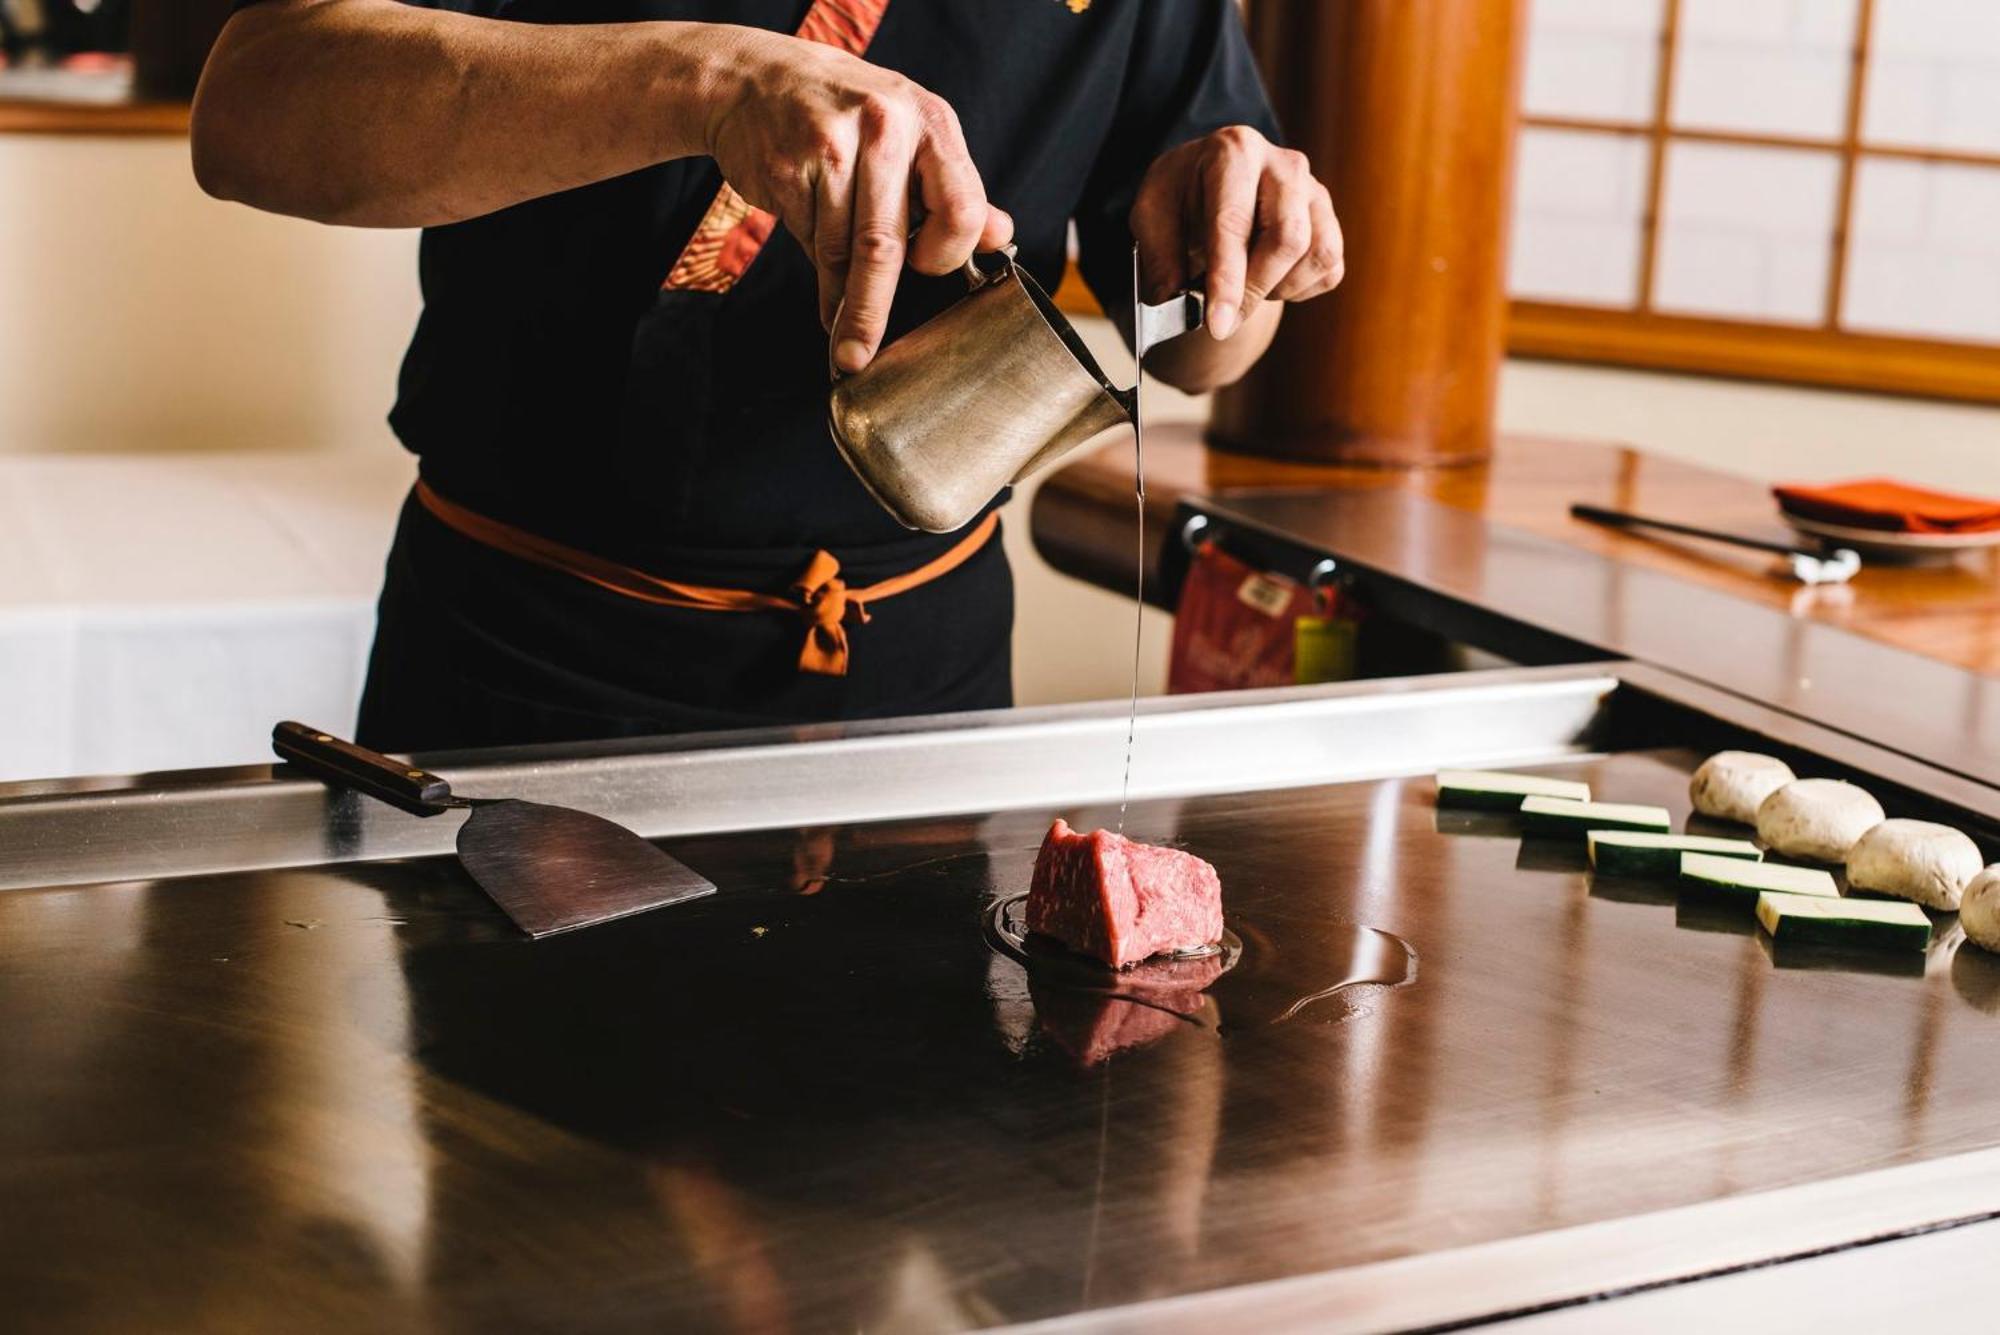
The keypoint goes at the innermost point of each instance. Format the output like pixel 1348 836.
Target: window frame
pixel 1825 353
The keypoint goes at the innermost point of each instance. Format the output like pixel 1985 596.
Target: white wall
pixel 1767 432
pixel 137 314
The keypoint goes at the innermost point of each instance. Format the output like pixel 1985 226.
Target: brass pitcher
pixel 983 394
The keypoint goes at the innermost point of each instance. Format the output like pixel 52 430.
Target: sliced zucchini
pixel 1491 790
pixel 1638 853
pixel 1736 879
pixel 1875 923
pixel 1562 816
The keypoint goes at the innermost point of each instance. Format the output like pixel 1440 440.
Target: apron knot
pixel 827 604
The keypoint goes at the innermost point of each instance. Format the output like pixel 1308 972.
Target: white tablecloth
pixel 160 612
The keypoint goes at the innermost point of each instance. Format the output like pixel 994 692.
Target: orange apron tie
pixel 819 596
pixel 823 593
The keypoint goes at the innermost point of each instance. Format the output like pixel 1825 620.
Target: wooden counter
pixel 37 116
pixel 1083 524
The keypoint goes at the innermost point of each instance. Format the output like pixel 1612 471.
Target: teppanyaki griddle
pixel 818 1099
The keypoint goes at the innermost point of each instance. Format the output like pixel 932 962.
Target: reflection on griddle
pixel 1093 1026
pixel 1539 853
pixel 1092 1011
pixel 1480 824
pixel 1711 913
pixel 1714 827
pixel 1976 975
pixel 1095 1012
pixel 1632 890
pixel 1845 959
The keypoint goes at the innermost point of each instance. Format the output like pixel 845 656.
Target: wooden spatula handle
pixel 345 765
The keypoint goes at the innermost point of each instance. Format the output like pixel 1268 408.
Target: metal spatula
pixel 550 869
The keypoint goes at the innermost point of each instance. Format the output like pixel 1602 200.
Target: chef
pixel 649 224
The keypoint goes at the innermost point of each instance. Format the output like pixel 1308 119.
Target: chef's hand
pixel 838 149
pixel 1245 212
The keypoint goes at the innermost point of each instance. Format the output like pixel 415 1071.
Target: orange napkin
pixel 1880 503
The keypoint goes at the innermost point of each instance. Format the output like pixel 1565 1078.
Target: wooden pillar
pixel 1407 109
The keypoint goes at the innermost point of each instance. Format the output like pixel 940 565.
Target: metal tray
pixel 286 1068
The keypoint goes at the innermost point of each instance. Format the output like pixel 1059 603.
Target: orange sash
pixel 819 596
pixel 733 231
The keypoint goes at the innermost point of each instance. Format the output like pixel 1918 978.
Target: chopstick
pixel 1809 565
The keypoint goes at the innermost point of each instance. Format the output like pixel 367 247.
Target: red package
pixel 1235 626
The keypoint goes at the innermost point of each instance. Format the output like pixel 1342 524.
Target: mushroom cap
pixel 1818 819
pixel 1917 860
pixel 1731 785
pixel 1979 909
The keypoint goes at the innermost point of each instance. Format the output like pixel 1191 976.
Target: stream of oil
pixel 1139 584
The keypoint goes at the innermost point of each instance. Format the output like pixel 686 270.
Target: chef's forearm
pixel 377 113
pixel 1197 363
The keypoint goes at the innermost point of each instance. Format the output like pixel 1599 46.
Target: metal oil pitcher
pixel 985 393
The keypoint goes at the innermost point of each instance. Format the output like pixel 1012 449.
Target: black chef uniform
pixel 552 385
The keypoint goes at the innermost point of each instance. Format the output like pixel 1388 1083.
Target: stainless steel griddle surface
pixel 817 1101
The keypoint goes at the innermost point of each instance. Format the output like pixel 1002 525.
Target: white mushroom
pixel 1979 910
pixel 1731 785
pixel 1914 859
pixel 1816 818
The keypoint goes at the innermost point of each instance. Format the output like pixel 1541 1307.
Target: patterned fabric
pixel 734 230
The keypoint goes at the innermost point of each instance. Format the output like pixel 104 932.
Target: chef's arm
pixel 1247 218
pixel 378 113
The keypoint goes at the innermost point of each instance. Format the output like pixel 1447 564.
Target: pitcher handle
pixel 975 278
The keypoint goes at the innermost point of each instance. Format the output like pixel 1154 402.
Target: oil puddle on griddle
pixel 1246 982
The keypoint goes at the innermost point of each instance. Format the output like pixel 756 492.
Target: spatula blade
pixel 553 870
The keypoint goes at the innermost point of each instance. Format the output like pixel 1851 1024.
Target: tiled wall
pixel 1926 250
pixel 1747 231
pixel 1594 58
pixel 1577 233
pixel 138 314
pixel 1767 66
pixel 1936 74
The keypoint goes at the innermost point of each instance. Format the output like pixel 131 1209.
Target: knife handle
pixel 345 765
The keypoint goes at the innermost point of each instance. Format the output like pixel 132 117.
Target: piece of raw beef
pixel 1121 901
